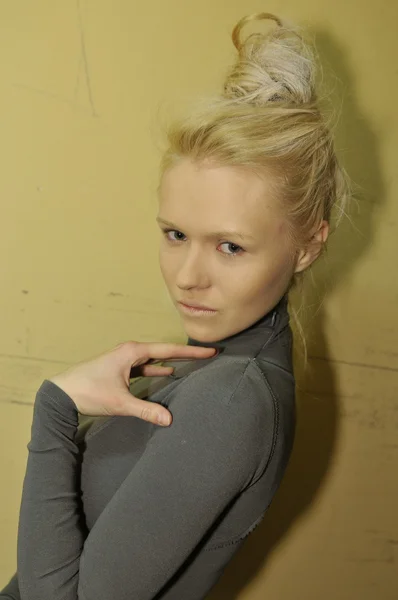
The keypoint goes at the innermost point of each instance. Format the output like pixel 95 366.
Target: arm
pixel 187 475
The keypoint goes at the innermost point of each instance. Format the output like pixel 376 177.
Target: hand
pixel 100 386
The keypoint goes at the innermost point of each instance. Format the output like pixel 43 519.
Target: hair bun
pixel 277 66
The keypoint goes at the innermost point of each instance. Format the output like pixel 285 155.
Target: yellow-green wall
pixel 82 92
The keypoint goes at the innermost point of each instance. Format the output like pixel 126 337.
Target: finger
pixel 156 371
pixel 161 351
pixel 147 411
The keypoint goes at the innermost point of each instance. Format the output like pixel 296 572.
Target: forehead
pixel 218 197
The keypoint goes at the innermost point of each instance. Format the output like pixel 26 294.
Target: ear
pixel 313 249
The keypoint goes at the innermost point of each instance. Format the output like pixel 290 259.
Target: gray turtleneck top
pixel 119 508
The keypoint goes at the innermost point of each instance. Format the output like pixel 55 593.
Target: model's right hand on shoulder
pixel 100 387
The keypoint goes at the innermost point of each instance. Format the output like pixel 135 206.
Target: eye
pixel 233 254
pixel 231 244
pixel 166 231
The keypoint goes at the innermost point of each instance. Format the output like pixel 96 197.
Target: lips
pixel 198 306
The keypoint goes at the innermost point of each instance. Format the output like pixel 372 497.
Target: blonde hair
pixel 267 119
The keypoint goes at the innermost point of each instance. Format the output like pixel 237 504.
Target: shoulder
pixel 227 412
pixel 230 396
pixel 228 380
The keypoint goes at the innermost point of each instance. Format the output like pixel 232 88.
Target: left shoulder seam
pixel 239 382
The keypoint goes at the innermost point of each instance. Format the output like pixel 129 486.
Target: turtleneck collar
pixel 248 343
pixel 252 342
pixel 255 330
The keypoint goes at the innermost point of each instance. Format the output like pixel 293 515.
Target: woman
pixel 127 509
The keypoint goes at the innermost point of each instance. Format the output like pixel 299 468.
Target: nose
pixel 193 271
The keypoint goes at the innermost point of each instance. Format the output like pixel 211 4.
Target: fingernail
pixel 164 419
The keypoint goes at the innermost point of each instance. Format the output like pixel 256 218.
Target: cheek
pixel 162 254
pixel 264 277
pixel 278 272
pixel 166 265
pixel 238 286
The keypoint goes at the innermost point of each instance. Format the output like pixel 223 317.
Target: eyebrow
pixel 214 234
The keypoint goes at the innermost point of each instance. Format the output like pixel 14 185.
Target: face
pixel 240 275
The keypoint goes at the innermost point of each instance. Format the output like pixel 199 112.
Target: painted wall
pixel 84 86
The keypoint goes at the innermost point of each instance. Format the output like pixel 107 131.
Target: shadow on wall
pixel 317 393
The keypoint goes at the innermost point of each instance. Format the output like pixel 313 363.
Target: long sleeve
pixel 187 475
pixel 51 531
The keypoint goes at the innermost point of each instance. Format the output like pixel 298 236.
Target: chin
pixel 200 335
